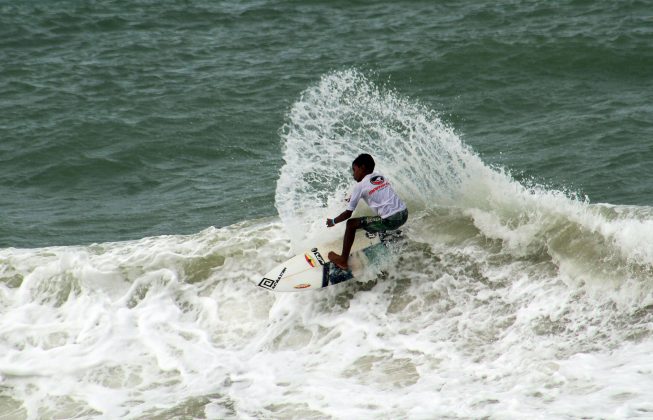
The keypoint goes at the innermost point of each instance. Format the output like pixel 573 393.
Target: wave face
pixel 345 115
pixel 507 300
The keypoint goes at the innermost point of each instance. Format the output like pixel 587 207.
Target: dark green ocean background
pixel 158 158
pixel 127 119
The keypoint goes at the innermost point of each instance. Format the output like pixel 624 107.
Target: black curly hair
pixel 366 161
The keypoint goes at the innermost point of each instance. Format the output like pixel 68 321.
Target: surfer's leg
pixel 350 235
pixel 347 242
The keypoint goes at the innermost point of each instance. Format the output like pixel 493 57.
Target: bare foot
pixel 338 260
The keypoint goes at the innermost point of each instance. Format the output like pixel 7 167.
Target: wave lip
pixel 345 113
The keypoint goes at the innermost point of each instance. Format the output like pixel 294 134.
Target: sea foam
pixel 506 300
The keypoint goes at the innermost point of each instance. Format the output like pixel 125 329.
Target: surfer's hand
pixel 330 223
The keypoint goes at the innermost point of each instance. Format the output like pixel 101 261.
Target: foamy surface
pixel 505 301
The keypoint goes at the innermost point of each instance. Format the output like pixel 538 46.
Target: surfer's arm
pixel 340 218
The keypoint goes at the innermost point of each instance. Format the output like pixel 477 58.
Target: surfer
pixel 376 191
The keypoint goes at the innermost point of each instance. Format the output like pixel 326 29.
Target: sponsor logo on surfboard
pixel 318 257
pixel 302 286
pixel 309 260
pixel 271 284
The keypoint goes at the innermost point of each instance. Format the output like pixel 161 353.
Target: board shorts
pixel 377 224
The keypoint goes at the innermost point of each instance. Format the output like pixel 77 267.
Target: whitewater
pixel 508 300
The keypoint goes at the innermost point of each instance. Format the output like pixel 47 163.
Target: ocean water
pixel 158 157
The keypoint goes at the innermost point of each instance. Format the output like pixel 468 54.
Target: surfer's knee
pixel 353 223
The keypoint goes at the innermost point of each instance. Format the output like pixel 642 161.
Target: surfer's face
pixel 359 172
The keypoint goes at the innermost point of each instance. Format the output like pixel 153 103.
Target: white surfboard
pixel 312 269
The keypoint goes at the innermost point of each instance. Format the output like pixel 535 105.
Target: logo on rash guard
pixel 380 183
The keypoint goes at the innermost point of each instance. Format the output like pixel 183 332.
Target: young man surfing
pixel 376 191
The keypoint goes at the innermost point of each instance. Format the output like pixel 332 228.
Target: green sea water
pixel 127 119
pixel 157 158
